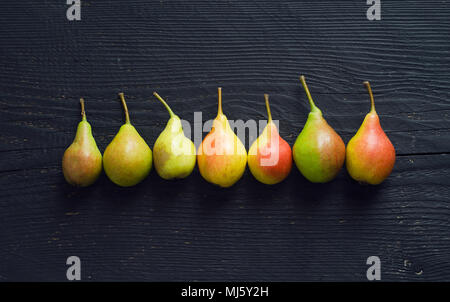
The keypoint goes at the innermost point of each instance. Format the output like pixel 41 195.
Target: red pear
pixel 370 154
pixel 270 156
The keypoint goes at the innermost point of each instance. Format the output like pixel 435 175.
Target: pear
pixel 270 156
pixel 127 159
pixel 370 153
pixel 221 156
pixel 82 161
pixel 173 153
pixel 319 151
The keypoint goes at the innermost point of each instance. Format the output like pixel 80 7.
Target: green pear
pixel 319 151
pixel 127 159
pixel 173 153
pixel 82 161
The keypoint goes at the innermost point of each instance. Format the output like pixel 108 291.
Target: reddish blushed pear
pixel 127 159
pixel 270 156
pixel 221 157
pixel 319 151
pixel 82 161
pixel 370 154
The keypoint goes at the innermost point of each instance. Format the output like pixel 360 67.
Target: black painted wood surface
pixel 189 229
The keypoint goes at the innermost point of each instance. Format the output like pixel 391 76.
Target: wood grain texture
pixel 191 230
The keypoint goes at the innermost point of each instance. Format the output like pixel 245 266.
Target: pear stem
pixel 308 94
pixel 125 108
pixel 164 103
pixel 266 97
pixel 83 113
pixel 372 102
pixel 219 91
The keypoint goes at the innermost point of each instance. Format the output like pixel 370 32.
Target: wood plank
pixel 191 230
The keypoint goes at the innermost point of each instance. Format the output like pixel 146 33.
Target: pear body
pixel 82 161
pixel 173 153
pixel 127 159
pixel 319 151
pixel 221 156
pixel 370 154
pixel 270 156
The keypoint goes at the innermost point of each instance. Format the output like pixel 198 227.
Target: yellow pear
pixel 221 156
pixel 173 153
pixel 127 159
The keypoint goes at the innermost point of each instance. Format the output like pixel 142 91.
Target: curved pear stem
pixel 219 91
pixel 125 108
pixel 83 113
pixel 164 103
pixel 308 94
pixel 372 102
pixel 266 97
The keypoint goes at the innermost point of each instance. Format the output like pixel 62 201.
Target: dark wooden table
pixel 189 229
